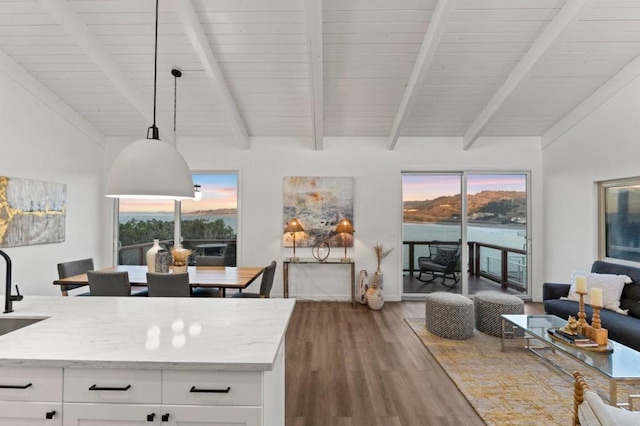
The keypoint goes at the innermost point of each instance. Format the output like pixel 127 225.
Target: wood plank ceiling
pixel 315 68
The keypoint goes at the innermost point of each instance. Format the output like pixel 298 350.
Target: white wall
pixel 378 207
pixel 604 146
pixel 36 143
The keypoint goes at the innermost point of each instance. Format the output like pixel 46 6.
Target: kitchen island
pixel 164 361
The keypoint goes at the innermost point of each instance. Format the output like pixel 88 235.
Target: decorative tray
pixel 603 349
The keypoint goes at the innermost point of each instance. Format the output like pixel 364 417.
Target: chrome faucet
pixel 8 298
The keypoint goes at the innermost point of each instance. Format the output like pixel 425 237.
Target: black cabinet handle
pixel 50 415
pixel 165 417
pixel 196 390
pixel 16 386
pixel 100 388
pixel 151 416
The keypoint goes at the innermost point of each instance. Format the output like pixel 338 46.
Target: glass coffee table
pixel 621 365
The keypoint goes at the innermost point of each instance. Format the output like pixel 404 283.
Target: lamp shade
pixel 294 226
pixel 345 227
pixel 150 169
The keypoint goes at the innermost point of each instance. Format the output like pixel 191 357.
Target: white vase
pixel 151 256
pixel 374 297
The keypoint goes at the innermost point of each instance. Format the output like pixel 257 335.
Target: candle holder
pixel 582 322
pixel 599 334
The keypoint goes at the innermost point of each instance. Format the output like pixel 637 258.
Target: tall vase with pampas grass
pixel 374 293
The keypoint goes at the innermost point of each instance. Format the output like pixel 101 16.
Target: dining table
pixel 220 277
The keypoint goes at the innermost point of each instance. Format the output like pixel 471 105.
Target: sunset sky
pixel 219 191
pixel 427 187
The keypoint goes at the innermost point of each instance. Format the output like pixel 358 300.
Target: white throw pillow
pixel 610 284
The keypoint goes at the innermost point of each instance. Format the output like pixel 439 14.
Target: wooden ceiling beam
pixel 200 44
pixel 428 49
pixel 560 22
pixel 313 18
pixel 89 44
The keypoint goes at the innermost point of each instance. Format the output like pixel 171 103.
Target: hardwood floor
pixel 358 367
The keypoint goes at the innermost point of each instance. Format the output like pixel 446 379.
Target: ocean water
pixel 231 221
pixel 507 236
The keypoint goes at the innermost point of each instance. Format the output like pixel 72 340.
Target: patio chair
pixel 442 262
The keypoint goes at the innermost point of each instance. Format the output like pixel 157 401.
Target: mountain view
pixel 485 206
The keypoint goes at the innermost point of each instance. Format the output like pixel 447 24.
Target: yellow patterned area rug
pixel 509 388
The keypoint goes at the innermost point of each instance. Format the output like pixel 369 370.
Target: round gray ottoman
pixel 490 305
pixel 449 315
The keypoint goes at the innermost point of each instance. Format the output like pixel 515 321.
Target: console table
pixel 312 261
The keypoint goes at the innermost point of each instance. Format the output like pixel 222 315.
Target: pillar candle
pixel 596 297
pixel 581 284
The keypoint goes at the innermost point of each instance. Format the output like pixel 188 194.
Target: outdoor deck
pixel 411 285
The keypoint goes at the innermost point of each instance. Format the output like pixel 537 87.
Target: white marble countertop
pixel 150 333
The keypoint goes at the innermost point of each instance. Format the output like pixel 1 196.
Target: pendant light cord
pixel 176 73
pixel 154 129
pixel 175 108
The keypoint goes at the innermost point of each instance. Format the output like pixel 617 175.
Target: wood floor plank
pixel 357 367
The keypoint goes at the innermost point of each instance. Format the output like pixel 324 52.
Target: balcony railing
pixel 136 254
pixel 504 265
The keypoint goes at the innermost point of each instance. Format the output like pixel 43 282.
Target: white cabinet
pixel 165 415
pixel 125 397
pixel 76 414
pixel 30 396
pixel 14 413
pixel 131 397
pixel 211 416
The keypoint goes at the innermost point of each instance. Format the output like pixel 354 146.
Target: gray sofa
pixel 624 329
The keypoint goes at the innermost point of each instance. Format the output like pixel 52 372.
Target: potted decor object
pixel 151 255
pixel 374 293
pixel 363 286
pixel 163 261
pixel 180 259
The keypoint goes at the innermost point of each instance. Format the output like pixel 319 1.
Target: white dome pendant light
pixel 150 168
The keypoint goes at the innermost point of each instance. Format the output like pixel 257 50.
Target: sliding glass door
pixel 478 220
pixel 432 232
pixel 497 232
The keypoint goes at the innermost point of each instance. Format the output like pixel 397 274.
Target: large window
pixel 208 226
pixel 620 219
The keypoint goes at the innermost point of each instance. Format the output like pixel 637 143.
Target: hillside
pixel 216 212
pixel 490 206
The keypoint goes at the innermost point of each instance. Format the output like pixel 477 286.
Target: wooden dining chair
pixel 168 285
pixel 109 283
pixel 69 269
pixel 265 285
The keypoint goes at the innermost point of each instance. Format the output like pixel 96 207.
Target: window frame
pixel 177 212
pixel 602 187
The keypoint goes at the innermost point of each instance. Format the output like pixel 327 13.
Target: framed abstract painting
pixel 318 203
pixel 31 212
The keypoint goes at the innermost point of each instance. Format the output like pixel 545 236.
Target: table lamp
pixel 345 227
pixel 294 226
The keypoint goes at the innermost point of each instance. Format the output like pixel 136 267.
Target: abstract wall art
pixel 319 203
pixel 31 212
